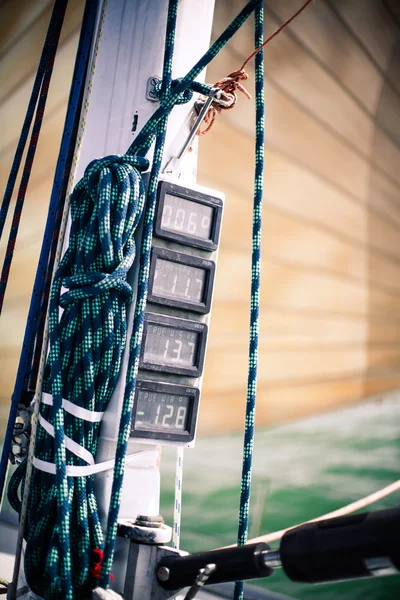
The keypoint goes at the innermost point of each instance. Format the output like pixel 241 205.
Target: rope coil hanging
pixel 86 346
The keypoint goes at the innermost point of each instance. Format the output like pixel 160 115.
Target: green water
pixel 301 470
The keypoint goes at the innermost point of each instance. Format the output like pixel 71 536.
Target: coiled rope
pixel 141 145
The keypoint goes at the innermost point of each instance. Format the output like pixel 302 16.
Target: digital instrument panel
pixel 181 281
pixel 165 411
pixel 188 216
pixel 173 345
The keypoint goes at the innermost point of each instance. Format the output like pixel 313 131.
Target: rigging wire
pixel 33 335
pixel 35 112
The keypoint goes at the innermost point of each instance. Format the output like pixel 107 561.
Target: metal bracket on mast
pixel 141 582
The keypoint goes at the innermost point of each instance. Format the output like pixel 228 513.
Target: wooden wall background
pixel 330 326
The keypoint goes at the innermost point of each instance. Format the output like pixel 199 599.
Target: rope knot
pixel 96 168
pixel 89 285
pixel 105 209
pixel 229 86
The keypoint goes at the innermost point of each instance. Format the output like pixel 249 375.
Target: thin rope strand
pixel 248 443
pixel 271 37
pixel 49 52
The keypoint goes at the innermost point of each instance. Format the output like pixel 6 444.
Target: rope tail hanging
pixel 255 291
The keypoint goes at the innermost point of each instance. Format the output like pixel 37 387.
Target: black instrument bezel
pixel 167 187
pixel 176 323
pixel 185 436
pixel 183 259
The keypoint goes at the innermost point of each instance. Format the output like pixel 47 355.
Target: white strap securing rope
pixel 86 470
pixel 75 448
pixel 91 468
pixel 77 411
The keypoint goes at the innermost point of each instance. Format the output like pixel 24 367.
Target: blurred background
pixel 328 406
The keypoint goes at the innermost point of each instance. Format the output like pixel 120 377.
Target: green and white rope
pixel 248 446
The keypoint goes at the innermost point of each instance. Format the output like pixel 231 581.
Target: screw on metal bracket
pixel 163 573
pixel 150 89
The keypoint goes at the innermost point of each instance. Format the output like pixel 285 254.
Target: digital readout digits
pixel 187 217
pixel 176 280
pixel 170 346
pixel 157 411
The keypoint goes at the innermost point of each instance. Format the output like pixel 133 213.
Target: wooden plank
pixel 16 104
pixel 225 411
pixel 290 287
pixel 46 152
pixel 228 370
pixel 292 70
pixel 290 188
pixel 295 241
pixel 373 27
pixel 33 217
pixel 330 42
pixel 383 196
pixel 22 274
pixel 22 59
pixel 388 106
pixel 16 16
pixel 321 31
pixel 280 328
pixel 295 132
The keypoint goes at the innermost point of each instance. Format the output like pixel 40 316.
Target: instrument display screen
pixel 188 216
pixel 173 345
pixel 174 280
pixel 170 345
pixel 157 411
pixel 165 411
pixel 181 280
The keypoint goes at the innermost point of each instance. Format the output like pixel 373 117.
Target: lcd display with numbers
pixel 181 280
pixel 173 345
pixel 164 411
pixel 188 216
